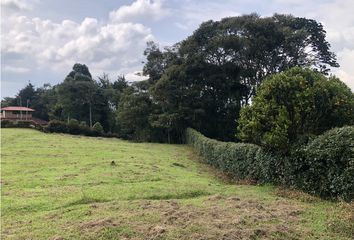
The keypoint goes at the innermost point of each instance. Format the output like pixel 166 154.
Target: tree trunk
pixel 90 115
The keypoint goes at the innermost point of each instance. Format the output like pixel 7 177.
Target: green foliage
pixel 203 81
pixel 73 126
pixel 6 124
pixel 83 124
pixel 294 104
pixel 242 161
pixel 97 127
pixel 56 126
pixel 325 166
pixel 133 113
pixel 18 124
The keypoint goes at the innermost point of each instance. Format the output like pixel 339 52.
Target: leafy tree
pixel 45 101
pixel 261 46
pixel 293 104
pixel 81 98
pixel 97 127
pixel 27 94
pixel 8 101
pixel 112 93
pixel 80 72
pixel 158 61
pixel 203 81
pixel 133 113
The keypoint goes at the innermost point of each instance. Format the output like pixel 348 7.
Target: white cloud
pixel 135 76
pixel 338 20
pixel 11 69
pixel 140 10
pixel 45 44
pixel 15 5
pixel 193 14
pixel 346 71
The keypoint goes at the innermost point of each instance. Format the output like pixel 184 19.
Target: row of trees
pixel 78 97
pixel 201 82
pixel 205 80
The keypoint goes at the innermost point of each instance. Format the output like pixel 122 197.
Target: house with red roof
pixel 18 113
pixel 15 113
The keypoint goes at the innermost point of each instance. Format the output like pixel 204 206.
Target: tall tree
pixel 294 104
pixel 219 67
pixel 133 113
pixel 81 98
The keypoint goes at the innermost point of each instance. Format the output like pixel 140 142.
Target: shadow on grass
pixel 185 195
pixel 85 200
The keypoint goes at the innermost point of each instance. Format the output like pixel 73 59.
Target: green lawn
pixel 56 186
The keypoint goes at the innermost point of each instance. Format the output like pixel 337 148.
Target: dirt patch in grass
pixel 98 224
pixel 342 222
pixel 68 176
pixel 295 194
pixel 218 217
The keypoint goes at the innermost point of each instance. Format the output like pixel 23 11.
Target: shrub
pixel 74 127
pixel 97 128
pixel 83 124
pixel 56 126
pixel 24 124
pixel 325 166
pixel 6 124
pixel 20 124
pixel 242 161
pixel 294 103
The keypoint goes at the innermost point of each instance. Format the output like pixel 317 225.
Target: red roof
pixel 13 108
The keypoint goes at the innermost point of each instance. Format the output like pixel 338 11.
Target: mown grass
pixel 56 186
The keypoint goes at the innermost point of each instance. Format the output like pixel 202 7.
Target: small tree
pixel 97 127
pixel 295 103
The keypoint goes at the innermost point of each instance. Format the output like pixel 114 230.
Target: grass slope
pixel 56 186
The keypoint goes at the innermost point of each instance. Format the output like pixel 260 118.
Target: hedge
pixel 242 161
pixel 324 167
pixel 20 124
pixel 73 127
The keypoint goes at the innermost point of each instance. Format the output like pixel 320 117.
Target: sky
pixel 42 39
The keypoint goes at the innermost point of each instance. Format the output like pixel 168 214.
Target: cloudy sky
pixel 42 39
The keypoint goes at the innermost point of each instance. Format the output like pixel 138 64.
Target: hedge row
pixel 76 128
pixel 324 167
pixel 20 124
pixel 242 161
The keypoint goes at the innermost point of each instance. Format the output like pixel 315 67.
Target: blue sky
pixel 41 40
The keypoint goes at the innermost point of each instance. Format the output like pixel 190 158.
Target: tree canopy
pixel 295 103
pixel 203 81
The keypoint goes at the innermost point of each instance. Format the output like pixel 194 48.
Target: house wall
pixel 16 114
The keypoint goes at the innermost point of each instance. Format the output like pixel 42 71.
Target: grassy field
pixel 56 186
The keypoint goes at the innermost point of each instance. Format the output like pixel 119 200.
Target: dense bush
pixel 56 126
pixel 74 127
pixel 97 127
pixel 293 104
pixel 19 124
pixel 242 161
pixel 6 124
pixel 324 167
